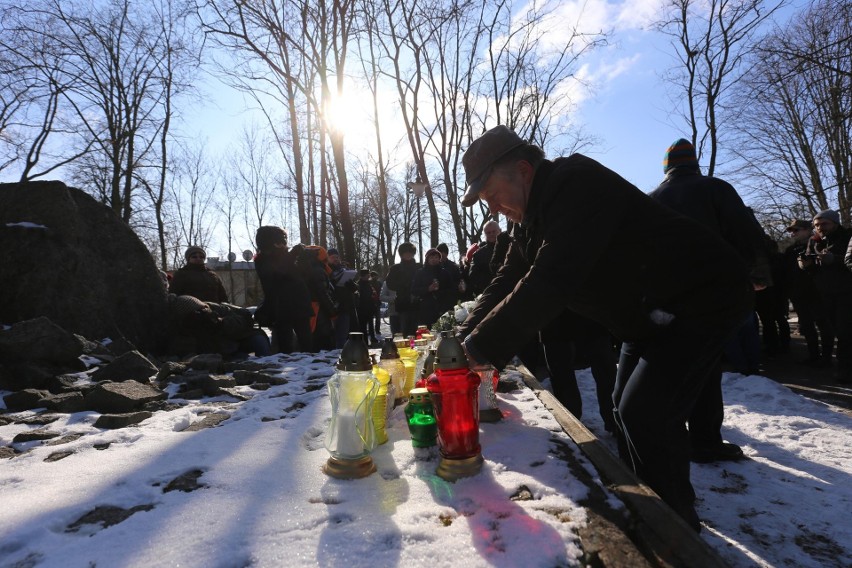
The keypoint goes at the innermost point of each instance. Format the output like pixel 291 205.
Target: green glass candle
pixel 421 419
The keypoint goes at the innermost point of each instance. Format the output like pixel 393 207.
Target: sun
pixel 352 115
pixel 346 114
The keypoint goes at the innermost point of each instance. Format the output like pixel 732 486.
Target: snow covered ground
pixel 250 491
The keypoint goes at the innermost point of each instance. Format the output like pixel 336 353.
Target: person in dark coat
pixel 717 206
pixel 824 259
pixel 286 301
pixel 367 299
pixel 346 297
pixel 399 280
pixel 771 304
pixel 801 290
pixel 459 286
pixel 480 272
pixel 196 280
pixel 434 287
pixel 669 288
pixel 312 262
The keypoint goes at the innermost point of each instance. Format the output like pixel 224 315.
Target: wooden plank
pixel 666 539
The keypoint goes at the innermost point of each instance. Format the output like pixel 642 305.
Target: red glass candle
pixel 455 395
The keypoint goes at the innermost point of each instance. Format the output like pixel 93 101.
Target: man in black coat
pixel 824 259
pixel 802 292
pixel 400 278
pixel 654 278
pixel 717 206
pixel 481 272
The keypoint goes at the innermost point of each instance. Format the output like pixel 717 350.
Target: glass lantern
pixel 489 410
pixel 352 392
pixel 421 419
pixel 391 362
pixel 454 389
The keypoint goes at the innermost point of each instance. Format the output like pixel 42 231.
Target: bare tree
pixel 711 40
pixel 193 197
pixel 33 84
pixel 796 139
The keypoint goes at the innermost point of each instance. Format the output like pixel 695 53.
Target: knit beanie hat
pixel 268 236
pixel 431 252
pixel 680 154
pixel 829 214
pixel 332 251
pixel 192 250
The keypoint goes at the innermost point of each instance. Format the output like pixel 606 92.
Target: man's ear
pixel 526 170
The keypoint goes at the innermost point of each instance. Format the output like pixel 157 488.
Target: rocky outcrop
pixel 72 259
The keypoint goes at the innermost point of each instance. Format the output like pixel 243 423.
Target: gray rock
pixel 42 419
pixel 106 516
pixel 234 394
pixel 170 368
pixel 185 482
pixel 209 421
pixel 63 383
pixel 161 405
pixel 26 399
pixel 37 339
pixel 6 452
pixel 131 366
pixel 116 398
pixel 244 377
pixel 213 384
pixel 34 435
pixel 79 264
pixel 207 362
pixel 64 440
pixel 113 421
pixel 68 402
pixel 56 456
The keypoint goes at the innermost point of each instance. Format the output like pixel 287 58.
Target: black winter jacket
pixel 831 278
pixel 433 304
pixel 716 204
pixel 400 277
pixel 592 243
pixel 284 291
pixel 199 281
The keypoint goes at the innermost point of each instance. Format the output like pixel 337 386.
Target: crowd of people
pixel 657 293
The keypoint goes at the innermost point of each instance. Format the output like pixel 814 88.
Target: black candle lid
pixel 389 350
pixel 354 356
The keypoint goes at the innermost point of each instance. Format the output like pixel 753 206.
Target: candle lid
pixel 389 350
pixel 450 354
pixel 354 356
pixel 429 363
pixel 419 395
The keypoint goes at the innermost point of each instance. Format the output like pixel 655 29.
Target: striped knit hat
pixel 680 154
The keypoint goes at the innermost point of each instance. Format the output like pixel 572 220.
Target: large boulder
pixel 72 259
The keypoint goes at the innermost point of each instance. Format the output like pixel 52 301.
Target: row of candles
pixel 443 407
